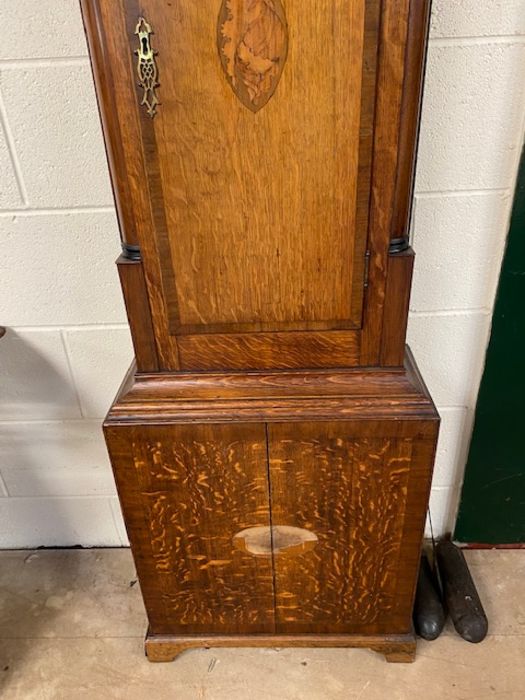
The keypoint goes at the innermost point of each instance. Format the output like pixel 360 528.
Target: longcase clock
pixel 273 441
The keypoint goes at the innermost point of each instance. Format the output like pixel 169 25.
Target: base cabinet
pixel 289 528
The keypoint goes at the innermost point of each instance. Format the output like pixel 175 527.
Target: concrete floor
pixel 72 626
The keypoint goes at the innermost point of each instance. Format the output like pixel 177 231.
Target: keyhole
pixel 144 45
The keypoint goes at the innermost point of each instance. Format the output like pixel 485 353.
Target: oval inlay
pixel 286 540
pixel 253 46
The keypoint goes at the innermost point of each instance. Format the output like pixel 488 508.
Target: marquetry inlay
pixel 253 45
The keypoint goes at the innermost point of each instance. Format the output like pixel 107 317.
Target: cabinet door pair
pixel 279 527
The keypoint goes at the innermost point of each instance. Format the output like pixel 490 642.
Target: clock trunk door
pixel 255 120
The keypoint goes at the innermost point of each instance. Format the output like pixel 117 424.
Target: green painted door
pixel 492 506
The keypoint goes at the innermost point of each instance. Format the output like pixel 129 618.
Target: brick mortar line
pixel 28 211
pixel 84 497
pixel 487 40
pixel 43 62
pixel 477 311
pixel 69 327
pixel 476 192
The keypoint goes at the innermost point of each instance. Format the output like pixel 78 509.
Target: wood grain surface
pixel 193 489
pixel 131 273
pixel 395 313
pixel 129 139
pixel 391 70
pixel 415 62
pixel 397 648
pixel 355 492
pixel 348 485
pixel 245 351
pixel 261 209
pixel 273 396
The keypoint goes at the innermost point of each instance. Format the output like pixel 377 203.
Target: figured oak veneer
pixel 298 264
pixel 197 485
pixel 273 442
pixel 349 580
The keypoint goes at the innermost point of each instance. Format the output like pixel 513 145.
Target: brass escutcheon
pixel 147 67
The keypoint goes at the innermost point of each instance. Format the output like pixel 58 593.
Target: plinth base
pixel 396 648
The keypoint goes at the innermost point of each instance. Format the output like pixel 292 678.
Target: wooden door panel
pixel 186 491
pixel 265 213
pixel 355 487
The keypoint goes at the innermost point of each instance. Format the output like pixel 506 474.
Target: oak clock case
pixel 273 441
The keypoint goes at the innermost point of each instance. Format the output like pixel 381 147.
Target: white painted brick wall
pixel 68 344
pixel 472 135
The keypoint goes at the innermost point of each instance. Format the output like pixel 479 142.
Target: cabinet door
pixel 186 491
pixel 247 151
pixel 361 490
